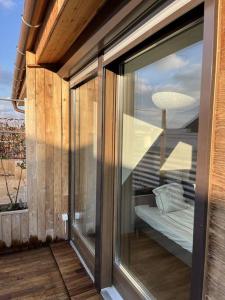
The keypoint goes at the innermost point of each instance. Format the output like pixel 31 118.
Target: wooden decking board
pixel 31 274
pixel 77 281
pixel 148 261
pixel 46 273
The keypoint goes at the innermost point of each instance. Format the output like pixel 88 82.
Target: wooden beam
pixel 92 43
pixel 49 166
pixel 57 154
pixel 30 123
pixel 71 18
pixel 41 152
pixel 65 150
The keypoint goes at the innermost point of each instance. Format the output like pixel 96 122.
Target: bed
pixel 168 219
pixel 176 226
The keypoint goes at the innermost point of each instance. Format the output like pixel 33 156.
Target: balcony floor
pixel 46 273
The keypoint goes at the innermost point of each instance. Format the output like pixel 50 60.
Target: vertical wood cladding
pixel 215 256
pixel 13 228
pixel 47 151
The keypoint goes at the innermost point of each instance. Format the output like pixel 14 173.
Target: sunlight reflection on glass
pixel 138 137
pixel 179 159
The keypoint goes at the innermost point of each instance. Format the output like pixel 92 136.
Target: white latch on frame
pixel 65 220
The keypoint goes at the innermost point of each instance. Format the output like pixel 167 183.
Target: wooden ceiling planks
pixel 66 20
pixel 48 26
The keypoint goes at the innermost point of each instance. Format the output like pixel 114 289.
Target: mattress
pixel 176 226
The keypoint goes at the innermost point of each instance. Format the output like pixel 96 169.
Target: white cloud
pixel 7 3
pixel 142 86
pixel 171 62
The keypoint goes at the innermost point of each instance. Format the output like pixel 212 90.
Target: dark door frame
pixel 107 158
pixel 203 160
pixel 204 148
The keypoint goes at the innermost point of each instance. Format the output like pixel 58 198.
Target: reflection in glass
pixel 161 92
pixel 86 162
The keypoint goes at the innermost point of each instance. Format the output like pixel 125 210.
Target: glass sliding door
pixel 160 93
pixel 85 167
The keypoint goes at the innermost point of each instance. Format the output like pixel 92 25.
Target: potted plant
pixel 15 203
pixel 12 146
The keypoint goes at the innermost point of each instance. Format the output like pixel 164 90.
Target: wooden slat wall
pixel 14 228
pixel 41 151
pixel 65 146
pixel 57 155
pixel 47 151
pixel 49 162
pixel 215 258
pixel 30 121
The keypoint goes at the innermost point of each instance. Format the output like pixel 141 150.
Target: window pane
pixel 86 162
pixel 161 92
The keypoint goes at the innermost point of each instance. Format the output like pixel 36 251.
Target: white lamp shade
pixel 172 100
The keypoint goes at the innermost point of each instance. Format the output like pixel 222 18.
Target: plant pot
pixel 13 206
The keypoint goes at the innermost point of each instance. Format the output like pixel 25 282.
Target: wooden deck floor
pixel 78 283
pixel 34 274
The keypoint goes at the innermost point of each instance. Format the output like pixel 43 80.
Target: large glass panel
pixel 159 120
pixel 86 162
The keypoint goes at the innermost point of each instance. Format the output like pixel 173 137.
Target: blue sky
pixel 173 67
pixel 179 72
pixel 10 23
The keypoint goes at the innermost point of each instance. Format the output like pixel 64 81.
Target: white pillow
pixel 169 197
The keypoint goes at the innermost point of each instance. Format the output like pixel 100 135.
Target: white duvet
pixel 176 226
